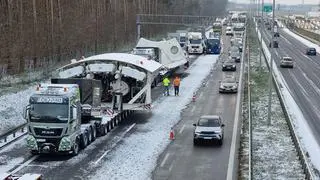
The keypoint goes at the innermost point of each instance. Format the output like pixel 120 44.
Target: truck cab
pixel 196 43
pixel 54 119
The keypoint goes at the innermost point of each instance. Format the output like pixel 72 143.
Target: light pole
pixel 271 64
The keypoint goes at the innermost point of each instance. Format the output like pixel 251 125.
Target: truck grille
pixel 195 46
pixel 48 132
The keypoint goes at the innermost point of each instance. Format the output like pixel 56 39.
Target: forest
pixel 38 34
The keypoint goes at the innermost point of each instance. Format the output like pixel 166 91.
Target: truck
pixel 169 53
pixel 195 44
pixel 87 99
pixel 213 45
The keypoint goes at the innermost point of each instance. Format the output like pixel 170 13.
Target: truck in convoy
pixel 88 99
pixel 182 37
pixel 213 45
pixel 169 53
pixel 195 44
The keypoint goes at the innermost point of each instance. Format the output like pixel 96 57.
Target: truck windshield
pixel 182 39
pixel 49 113
pixel 193 41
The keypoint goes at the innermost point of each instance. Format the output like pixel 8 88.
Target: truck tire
pixel 89 135
pixel 104 129
pixel 75 148
pixel 34 152
pixel 94 133
pixel 84 141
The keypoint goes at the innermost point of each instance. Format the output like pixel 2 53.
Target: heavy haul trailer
pixel 75 108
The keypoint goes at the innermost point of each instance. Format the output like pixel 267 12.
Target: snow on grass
pixel 11 109
pixel 273 153
pixel 6 164
pixel 136 156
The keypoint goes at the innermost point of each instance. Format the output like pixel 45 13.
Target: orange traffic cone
pixel 194 97
pixel 171 136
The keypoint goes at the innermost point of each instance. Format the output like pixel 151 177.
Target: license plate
pixel 41 140
pixel 207 137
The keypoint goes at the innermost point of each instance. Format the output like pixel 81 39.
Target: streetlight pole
pixel 271 64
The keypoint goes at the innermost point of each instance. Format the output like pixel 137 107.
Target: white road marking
pixel 114 145
pixel 231 163
pixel 24 164
pixel 164 160
pixel 277 53
pixel 182 128
pixel 307 57
pixel 170 168
pixel 37 165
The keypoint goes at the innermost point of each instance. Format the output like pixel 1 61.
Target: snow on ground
pixel 136 156
pixel 301 39
pixel 11 109
pixel 300 123
pixel 273 153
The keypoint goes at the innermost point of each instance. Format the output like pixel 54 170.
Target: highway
pixel 183 160
pixel 16 158
pixel 303 80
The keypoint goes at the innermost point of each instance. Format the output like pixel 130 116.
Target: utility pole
pixel 271 65
pixel 260 37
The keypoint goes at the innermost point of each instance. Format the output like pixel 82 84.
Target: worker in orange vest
pixel 176 84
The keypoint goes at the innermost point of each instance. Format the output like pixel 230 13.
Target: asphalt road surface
pixel 183 160
pixel 303 80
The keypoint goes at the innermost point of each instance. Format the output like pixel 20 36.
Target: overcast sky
pixel 291 2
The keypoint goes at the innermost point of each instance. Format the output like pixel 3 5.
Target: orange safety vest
pixel 176 82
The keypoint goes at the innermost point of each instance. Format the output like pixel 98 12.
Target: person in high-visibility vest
pixel 176 85
pixel 166 84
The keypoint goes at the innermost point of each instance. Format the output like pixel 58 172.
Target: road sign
pixel 267 8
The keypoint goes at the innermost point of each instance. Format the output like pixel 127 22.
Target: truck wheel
pixel 108 126
pixel 94 133
pixel 75 149
pixel 84 141
pixel 89 135
pixel 34 152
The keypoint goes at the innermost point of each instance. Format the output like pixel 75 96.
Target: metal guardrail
pixel 14 133
pixel 302 156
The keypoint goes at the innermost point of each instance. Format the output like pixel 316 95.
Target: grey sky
pixel 291 2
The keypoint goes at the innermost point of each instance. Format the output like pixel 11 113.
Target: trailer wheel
pixel 94 133
pixel 84 141
pixel 104 129
pixel 108 126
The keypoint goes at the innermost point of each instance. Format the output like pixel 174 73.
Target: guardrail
pixel 12 135
pixel 302 156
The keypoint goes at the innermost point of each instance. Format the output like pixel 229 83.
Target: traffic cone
pixel 171 136
pixel 194 97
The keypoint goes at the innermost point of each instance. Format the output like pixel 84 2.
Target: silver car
pixel 286 62
pixel 228 84
pixel 209 127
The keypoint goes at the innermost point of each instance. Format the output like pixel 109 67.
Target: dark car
pixel 276 34
pixel 311 51
pixel 275 44
pixel 229 66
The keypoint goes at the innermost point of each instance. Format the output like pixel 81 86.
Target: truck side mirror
pixel 74 113
pixel 26 111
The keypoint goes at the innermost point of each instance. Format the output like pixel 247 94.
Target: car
pixel 208 127
pixel 286 62
pixel 229 66
pixel 228 84
pixel 311 51
pixel 268 27
pixel 235 54
pixel 275 44
pixel 229 31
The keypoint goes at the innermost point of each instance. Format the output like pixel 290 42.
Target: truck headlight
pixel 32 142
pixel 223 65
pixel 65 144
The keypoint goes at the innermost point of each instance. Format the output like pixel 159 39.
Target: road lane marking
pixel 235 128
pixel 114 145
pixel 182 128
pixel 164 160
pixel 171 166
pixel 24 164
pixel 277 53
